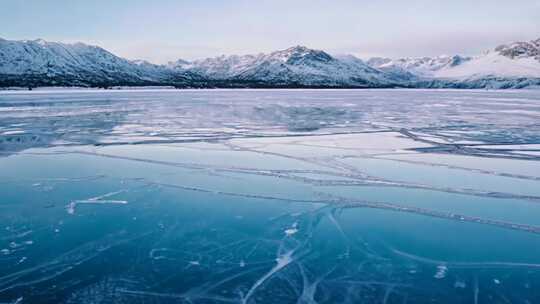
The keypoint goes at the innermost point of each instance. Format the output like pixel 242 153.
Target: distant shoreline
pixel 49 89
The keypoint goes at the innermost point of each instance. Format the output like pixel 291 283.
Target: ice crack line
pixel 70 208
pixel 281 262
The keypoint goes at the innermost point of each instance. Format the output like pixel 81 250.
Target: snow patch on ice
pixel 441 272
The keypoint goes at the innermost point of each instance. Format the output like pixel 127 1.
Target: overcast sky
pixel 165 30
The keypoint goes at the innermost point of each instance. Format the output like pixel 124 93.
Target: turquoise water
pixel 244 220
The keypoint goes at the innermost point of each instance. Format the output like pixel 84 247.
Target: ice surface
pixel 255 196
pixel 107 117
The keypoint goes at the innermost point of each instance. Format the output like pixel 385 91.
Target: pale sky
pixel 164 30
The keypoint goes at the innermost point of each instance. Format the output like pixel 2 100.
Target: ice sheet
pixel 258 196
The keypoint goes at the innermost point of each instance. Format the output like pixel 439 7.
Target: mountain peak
pixel 300 54
pixel 39 62
pixel 40 41
pixel 298 49
pixel 520 49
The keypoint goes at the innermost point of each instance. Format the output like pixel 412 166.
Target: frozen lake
pixel 270 196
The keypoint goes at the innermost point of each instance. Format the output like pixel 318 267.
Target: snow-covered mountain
pixel 518 50
pixel 420 67
pixel 515 65
pixel 295 66
pixel 520 59
pixel 42 63
pixel 38 62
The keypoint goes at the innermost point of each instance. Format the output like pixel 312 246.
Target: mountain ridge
pixel 31 63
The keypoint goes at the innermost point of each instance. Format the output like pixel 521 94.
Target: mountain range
pixel 32 63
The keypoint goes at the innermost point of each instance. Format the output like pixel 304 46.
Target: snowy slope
pixel 530 49
pixel 295 66
pixel 422 67
pixel 508 66
pixel 42 63
pixel 72 64
pixel 515 60
pixel 492 64
pixel 516 65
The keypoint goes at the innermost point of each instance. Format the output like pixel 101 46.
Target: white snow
pixel 54 58
pixel 492 64
pixel 81 64
pixel 423 66
pixel 291 231
pixel 499 67
pixel 296 64
pixel 441 272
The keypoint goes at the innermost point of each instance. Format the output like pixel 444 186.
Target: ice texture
pixel 256 196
